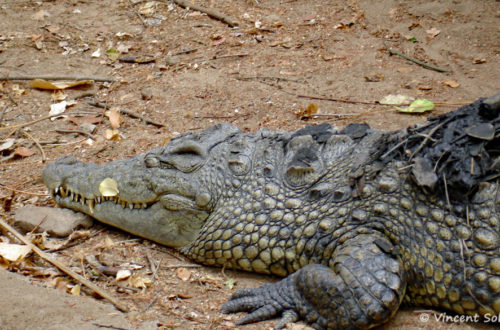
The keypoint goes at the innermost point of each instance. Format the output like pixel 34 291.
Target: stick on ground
pixel 129 113
pixel 64 269
pixel 215 14
pixel 414 60
pixel 29 77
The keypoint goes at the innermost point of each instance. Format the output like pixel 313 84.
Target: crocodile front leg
pixel 364 289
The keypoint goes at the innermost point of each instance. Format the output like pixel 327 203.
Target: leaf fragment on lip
pixel 108 187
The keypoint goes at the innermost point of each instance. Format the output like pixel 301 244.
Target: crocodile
pixel 357 222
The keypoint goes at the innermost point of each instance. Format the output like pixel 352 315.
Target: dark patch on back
pixel 463 148
pixel 319 133
pixel 356 130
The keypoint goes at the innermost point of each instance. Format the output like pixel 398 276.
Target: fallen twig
pixel 64 269
pixel 143 21
pixel 129 113
pixel 29 77
pixel 22 191
pixel 414 60
pixel 44 158
pixel 210 12
pixel 239 77
pixel 323 98
pixel 74 131
pixel 29 123
pixel 216 57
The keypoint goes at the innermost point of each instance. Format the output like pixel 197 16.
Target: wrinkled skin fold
pixel 356 221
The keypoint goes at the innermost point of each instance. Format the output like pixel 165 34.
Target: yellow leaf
pixel 114 118
pixel 113 134
pixel 140 282
pixel 76 290
pixel 62 84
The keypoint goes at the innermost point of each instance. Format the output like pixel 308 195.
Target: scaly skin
pixel 352 234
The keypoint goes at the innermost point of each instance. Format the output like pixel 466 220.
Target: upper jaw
pixel 165 206
pixel 128 183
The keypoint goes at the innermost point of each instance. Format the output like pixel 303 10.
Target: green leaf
pixel 413 39
pixel 113 54
pixel 417 106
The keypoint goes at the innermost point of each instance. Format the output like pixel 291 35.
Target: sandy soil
pixel 205 72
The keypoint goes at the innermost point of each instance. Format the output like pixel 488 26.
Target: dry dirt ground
pixel 198 72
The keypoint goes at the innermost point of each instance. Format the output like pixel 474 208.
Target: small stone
pixel 57 222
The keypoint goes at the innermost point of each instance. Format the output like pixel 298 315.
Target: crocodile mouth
pixel 66 196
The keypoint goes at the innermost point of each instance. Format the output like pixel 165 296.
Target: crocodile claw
pixel 264 303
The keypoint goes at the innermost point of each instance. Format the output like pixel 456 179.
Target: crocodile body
pixel 357 221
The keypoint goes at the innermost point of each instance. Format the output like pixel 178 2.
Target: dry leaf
pixel 479 60
pixel 451 83
pixel 123 274
pixel 14 252
pixel 23 152
pixel 184 274
pixel 308 112
pixel 396 99
pixel 37 39
pixel 17 90
pixel 76 290
pixel 62 84
pixel 140 282
pixel 108 242
pixel 114 118
pixel 59 96
pixel 7 144
pixel 433 32
pixel 113 134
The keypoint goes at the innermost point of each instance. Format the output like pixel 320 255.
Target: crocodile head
pixel 163 195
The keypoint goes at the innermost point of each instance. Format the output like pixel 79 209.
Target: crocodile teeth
pixel 63 192
pixel 131 206
pixel 56 190
pixel 90 204
pixel 99 199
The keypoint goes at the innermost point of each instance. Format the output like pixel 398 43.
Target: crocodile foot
pixel 364 288
pixel 265 302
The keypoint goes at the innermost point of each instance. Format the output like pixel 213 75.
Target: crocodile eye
pixel 187 156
